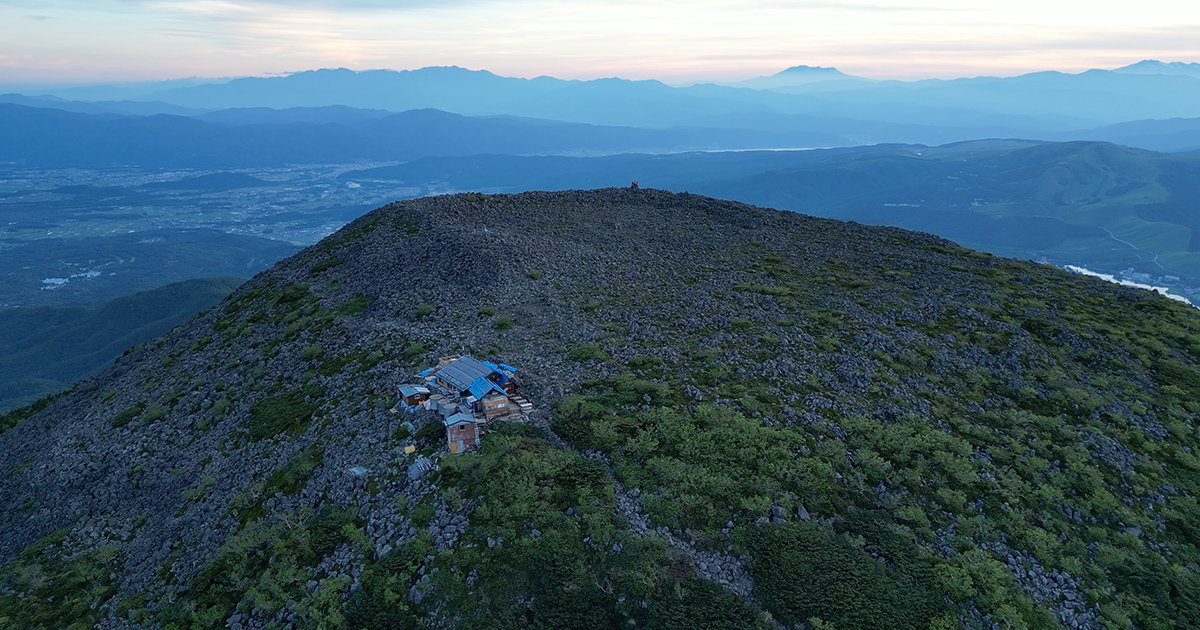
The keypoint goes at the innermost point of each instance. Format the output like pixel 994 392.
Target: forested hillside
pixel 45 349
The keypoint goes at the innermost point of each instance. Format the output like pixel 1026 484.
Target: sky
pixel 86 41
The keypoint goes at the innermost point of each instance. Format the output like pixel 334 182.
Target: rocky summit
pixel 741 418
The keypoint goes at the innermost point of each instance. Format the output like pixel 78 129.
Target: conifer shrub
pixel 700 605
pixel 328 263
pixel 284 412
pixel 17 416
pixel 327 530
pixel 50 592
pixel 289 479
pixel 422 310
pixel 803 570
pixel 127 416
pixel 588 352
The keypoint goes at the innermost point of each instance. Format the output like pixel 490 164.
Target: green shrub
pixel 17 416
pixel 290 478
pixel 354 306
pixel 154 413
pixel 644 363
pixel 1179 376
pixel 504 322
pixel 327 531
pixel 588 352
pixel 802 570
pixel 414 350
pixel 292 292
pixel 432 430
pixel 328 263
pixel 284 412
pixel 700 605
pixel 127 416
pixel 422 310
pixel 51 592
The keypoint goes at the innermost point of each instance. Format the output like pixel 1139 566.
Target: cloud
pixel 669 39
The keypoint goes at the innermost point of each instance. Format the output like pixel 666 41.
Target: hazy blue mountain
pixel 437 87
pixel 35 136
pixel 330 114
pixel 119 91
pixel 1173 135
pixel 45 349
pixel 120 108
pixel 859 131
pixel 1153 66
pixel 49 137
pixel 1061 101
pixel 433 132
pixel 1037 103
pixel 1043 101
pixel 797 75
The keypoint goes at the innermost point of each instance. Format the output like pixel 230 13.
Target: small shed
pixel 462 431
pixel 413 395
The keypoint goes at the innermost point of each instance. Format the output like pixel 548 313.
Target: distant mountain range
pixel 1048 101
pixel 244 137
pixel 48 137
pixel 824 106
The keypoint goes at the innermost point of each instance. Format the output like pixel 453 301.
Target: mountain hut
pixel 462 431
pixel 413 395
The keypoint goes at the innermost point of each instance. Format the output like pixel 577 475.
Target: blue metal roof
pixel 462 372
pixel 459 418
pixel 481 387
pixel 412 390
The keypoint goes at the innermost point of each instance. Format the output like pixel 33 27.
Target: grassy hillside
pixel 744 418
pixel 45 349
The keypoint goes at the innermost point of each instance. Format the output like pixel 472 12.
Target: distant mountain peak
pixel 1154 66
pixel 803 69
pixel 795 76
